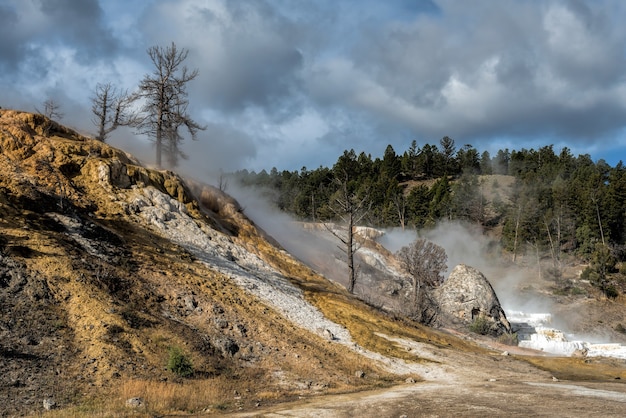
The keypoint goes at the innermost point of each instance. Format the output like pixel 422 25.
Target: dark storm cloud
pixel 247 54
pixel 9 43
pixel 254 73
pixel 293 84
pixel 79 23
pixel 381 74
pixel 48 49
pixel 27 25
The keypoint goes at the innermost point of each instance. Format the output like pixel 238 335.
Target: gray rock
pixel 227 346
pixel 134 402
pixel 190 302
pixel 467 295
pixel 49 404
pixel 329 335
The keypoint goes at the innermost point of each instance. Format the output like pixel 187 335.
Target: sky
pixel 294 83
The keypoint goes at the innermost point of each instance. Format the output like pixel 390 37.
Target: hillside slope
pixel 105 265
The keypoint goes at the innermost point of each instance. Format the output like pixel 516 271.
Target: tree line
pixel 560 204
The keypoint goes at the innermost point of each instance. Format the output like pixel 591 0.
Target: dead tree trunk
pixel 351 209
pixel 517 222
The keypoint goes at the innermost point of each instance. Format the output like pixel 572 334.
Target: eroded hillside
pixel 105 265
pixel 103 271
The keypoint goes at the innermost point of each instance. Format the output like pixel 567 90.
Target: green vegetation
pixel 509 339
pixel 601 264
pixel 179 363
pixel 480 325
pixel 558 205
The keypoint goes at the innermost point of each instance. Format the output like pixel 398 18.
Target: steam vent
pixel 468 295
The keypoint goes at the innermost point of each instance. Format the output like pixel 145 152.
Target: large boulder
pixel 467 296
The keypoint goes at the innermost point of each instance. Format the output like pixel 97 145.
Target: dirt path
pixel 500 398
pixel 468 385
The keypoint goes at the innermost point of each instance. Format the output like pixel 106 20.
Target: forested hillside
pixel 558 205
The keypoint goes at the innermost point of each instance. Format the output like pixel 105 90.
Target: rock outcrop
pixel 467 296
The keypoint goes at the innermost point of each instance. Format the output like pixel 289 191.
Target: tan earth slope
pixel 106 265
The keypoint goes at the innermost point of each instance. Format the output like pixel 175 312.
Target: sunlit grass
pixel 162 397
pixel 577 368
pixel 367 326
pixel 187 396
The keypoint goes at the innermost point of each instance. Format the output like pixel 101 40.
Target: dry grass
pixel 573 368
pixel 364 322
pixel 366 325
pixel 189 396
pixel 163 398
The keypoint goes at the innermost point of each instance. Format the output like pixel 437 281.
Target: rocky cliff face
pixel 467 296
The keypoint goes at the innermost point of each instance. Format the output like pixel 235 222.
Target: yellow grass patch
pixel 367 327
pixel 578 368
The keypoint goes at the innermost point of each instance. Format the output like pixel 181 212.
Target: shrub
pixel 586 273
pixel 179 363
pixel 480 325
pixel 610 291
pixel 509 339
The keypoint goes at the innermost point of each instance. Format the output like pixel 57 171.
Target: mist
pixel 306 246
pixel 519 287
pixel 464 244
pixel 467 244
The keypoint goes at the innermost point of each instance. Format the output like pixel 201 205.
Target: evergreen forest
pixel 556 205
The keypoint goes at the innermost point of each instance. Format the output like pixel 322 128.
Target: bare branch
pixel 51 110
pixel 351 209
pixel 165 102
pixel 424 261
pixel 111 109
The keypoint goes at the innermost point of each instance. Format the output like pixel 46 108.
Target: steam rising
pixel 519 288
pixel 290 234
pixel 466 244
pixel 463 244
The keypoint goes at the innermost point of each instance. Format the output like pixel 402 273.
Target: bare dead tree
pixel 594 199
pixel 164 110
pixel 51 110
pixel 517 226
pixel 554 246
pixel 535 246
pixel 222 181
pixel 399 203
pixel 111 109
pixel 351 209
pixel 425 262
